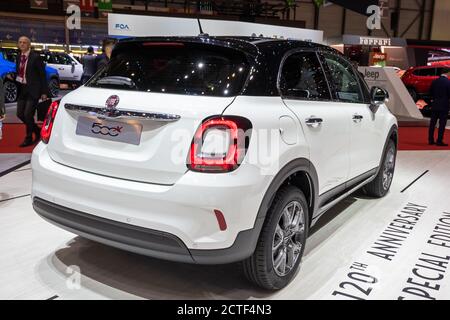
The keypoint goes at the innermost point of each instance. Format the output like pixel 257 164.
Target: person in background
pixel 89 62
pixel 103 59
pixel 32 85
pixel 440 105
pixel 2 107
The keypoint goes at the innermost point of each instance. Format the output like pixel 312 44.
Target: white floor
pixel 10 160
pixel 40 261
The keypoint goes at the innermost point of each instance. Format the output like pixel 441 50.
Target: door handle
pixel 314 121
pixel 357 118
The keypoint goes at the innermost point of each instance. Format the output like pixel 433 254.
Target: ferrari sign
pixel 38 4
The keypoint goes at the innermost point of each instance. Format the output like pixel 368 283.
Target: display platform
pixel 393 248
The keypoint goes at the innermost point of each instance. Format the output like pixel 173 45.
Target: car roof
pixel 250 45
pixel 431 67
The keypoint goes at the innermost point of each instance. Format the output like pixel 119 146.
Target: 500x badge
pixel 98 128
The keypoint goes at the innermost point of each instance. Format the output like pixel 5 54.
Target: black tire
pixel 11 91
pixel 413 94
pixel 379 187
pixel 53 86
pixel 259 268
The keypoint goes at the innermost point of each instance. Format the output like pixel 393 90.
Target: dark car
pixel 8 67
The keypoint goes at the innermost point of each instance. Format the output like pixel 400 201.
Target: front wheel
pixel 282 241
pixel 380 186
pixel 11 91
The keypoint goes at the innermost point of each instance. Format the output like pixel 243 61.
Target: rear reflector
pixel 221 220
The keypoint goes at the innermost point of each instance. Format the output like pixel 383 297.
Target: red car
pixel 418 80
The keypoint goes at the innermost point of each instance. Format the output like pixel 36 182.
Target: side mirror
pixel 378 97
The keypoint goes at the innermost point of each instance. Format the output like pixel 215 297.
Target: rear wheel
pixel 380 186
pixel 282 241
pixel 11 91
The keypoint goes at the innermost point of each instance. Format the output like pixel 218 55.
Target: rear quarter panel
pixel 267 150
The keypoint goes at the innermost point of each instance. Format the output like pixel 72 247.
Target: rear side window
pixel 62 59
pixel 427 72
pixel 302 77
pixel 177 68
pixel 344 79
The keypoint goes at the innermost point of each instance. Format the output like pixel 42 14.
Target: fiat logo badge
pixel 112 102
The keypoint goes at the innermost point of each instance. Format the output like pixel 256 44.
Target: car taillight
pixel 219 144
pixel 47 126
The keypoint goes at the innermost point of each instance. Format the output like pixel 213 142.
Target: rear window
pixel 175 67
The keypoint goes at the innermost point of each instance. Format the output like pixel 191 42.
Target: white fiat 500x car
pixel 213 150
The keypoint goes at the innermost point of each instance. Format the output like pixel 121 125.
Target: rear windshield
pixel 178 68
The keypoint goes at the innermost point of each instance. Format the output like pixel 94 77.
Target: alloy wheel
pixel 287 239
pixel 388 170
pixel 10 89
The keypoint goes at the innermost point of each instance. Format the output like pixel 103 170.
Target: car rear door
pixel 325 124
pixel 366 128
pixel 64 66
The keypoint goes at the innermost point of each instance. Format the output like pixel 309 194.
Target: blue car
pixel 9 68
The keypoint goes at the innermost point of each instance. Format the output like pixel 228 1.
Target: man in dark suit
pixel 440 105
pixel 32 85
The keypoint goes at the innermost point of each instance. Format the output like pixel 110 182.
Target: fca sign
pixel 122 26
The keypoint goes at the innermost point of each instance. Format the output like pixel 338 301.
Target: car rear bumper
pixel 135 216
pixel 140 240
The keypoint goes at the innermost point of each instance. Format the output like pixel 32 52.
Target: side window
pixel 344 79
pixel 302 77
pixel 61 59
pixel 66 59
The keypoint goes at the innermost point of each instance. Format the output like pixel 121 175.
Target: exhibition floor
pixel 348 254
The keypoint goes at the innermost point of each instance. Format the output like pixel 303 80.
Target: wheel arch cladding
pixel 299 173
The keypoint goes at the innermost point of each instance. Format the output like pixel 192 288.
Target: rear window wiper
pixel 117 80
